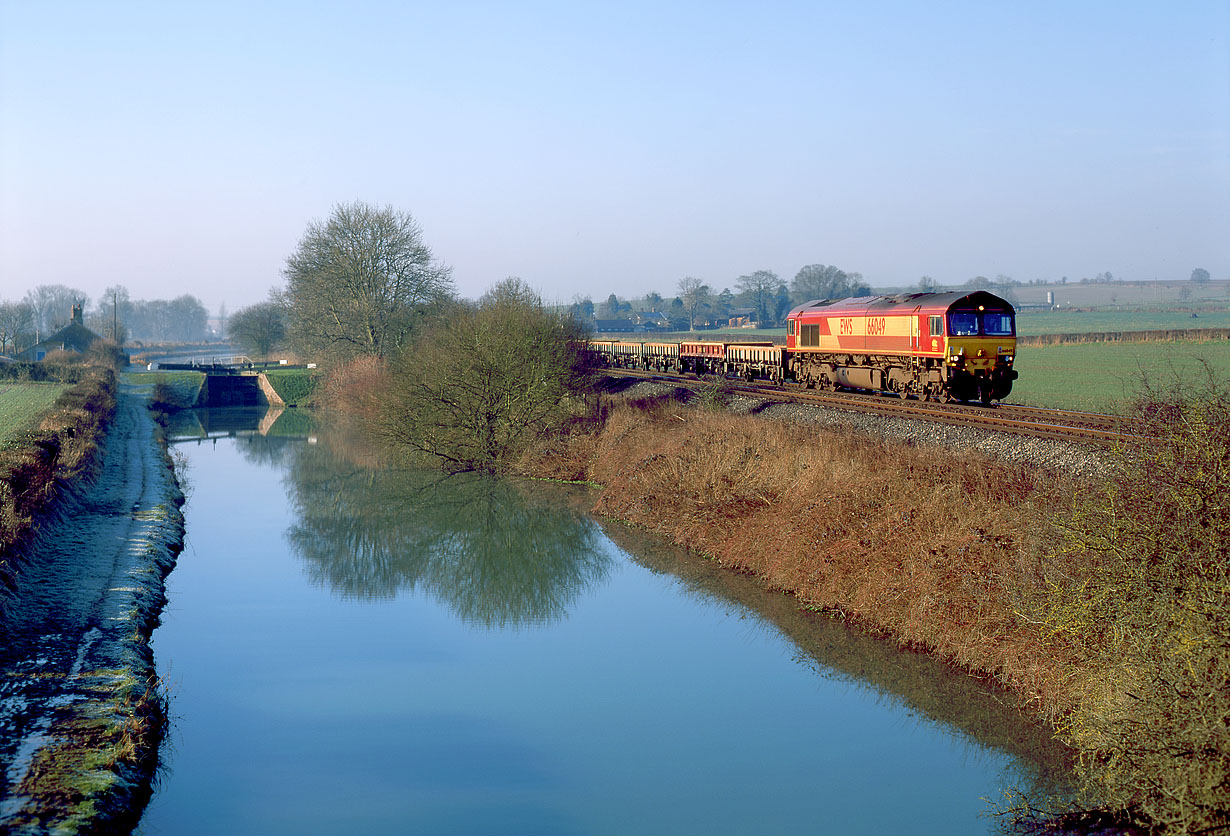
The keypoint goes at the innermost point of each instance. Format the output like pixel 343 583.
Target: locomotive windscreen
pixel 980 323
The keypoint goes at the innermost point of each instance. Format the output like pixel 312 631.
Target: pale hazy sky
pixel 592 148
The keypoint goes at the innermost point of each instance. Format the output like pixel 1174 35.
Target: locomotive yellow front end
pixel 981 348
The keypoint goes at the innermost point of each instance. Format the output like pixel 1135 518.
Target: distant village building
pixel 653 320
pixel 613 326
pixel 72 337
pixel 742 318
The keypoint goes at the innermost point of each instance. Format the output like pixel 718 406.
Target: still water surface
pixel 352 649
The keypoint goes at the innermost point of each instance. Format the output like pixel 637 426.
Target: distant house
pixel 72 337
pixel 652 320
pixel 613 326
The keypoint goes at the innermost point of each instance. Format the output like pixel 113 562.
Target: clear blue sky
pixel 592 148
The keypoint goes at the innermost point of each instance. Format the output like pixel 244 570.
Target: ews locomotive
pixel 942 346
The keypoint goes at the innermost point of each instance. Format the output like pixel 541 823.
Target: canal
pixel 352 648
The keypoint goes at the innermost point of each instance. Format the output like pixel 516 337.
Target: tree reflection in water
pixel 498 554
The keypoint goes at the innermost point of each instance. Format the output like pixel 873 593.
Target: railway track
pixel 1037 422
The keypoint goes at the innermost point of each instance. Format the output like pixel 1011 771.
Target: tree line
pixel 48 308
pixel 761 297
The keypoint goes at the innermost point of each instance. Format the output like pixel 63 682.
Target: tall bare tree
pixel 694 294
pixel 259 328
pixel 759 289
pixel 51 305
pixel 113 315
pixel 16 322
pixel 358 283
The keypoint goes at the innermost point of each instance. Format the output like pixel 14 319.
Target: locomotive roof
pixel 903 302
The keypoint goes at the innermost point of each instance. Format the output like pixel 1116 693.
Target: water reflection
pixel 915 684
pixel 497 553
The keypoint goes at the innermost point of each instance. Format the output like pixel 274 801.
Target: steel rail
pixel 1039 422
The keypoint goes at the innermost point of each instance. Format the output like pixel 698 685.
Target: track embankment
pixel 81 713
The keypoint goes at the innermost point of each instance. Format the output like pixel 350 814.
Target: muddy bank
pixel 80 711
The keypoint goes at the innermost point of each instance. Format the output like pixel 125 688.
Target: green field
pixel 1104 377
pixel 23 404
pixel 1031 324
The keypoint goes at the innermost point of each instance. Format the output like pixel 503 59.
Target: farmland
pixel 23 404
pixel 1030 324
pixel 1103 377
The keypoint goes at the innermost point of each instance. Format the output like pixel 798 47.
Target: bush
pixel 482 382
pixel 1139 597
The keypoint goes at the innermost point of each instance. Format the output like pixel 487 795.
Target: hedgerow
pixel 1139 598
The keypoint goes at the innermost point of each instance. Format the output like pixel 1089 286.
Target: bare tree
pixel 1200 276
pixel 694 294
pixel 113 315
pixel 358 283
pixel 259 328
pixel 51 305
pixel 16 322
pixel 928 285
pixel 189 318
pixel 759 289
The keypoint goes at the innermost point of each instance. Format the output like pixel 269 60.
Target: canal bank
pixel 81 713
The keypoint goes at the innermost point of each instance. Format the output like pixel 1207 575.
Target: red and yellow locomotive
pixel 930 345
pixel 942 346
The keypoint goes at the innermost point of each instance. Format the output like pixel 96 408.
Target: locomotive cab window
pixel 997 324
pixel 792 322
pixel 936 328
pixel 963 324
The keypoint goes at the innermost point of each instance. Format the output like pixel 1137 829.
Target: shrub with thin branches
pixel 1139 596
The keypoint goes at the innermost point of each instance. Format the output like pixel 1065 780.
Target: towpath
pixel 74 642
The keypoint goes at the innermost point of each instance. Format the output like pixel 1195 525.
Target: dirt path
pixel 75 667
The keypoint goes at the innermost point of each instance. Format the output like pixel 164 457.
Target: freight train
pixel 937 346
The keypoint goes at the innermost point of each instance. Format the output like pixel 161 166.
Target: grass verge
pixel 56 450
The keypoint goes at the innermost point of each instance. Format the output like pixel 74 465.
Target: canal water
pixel 351 648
